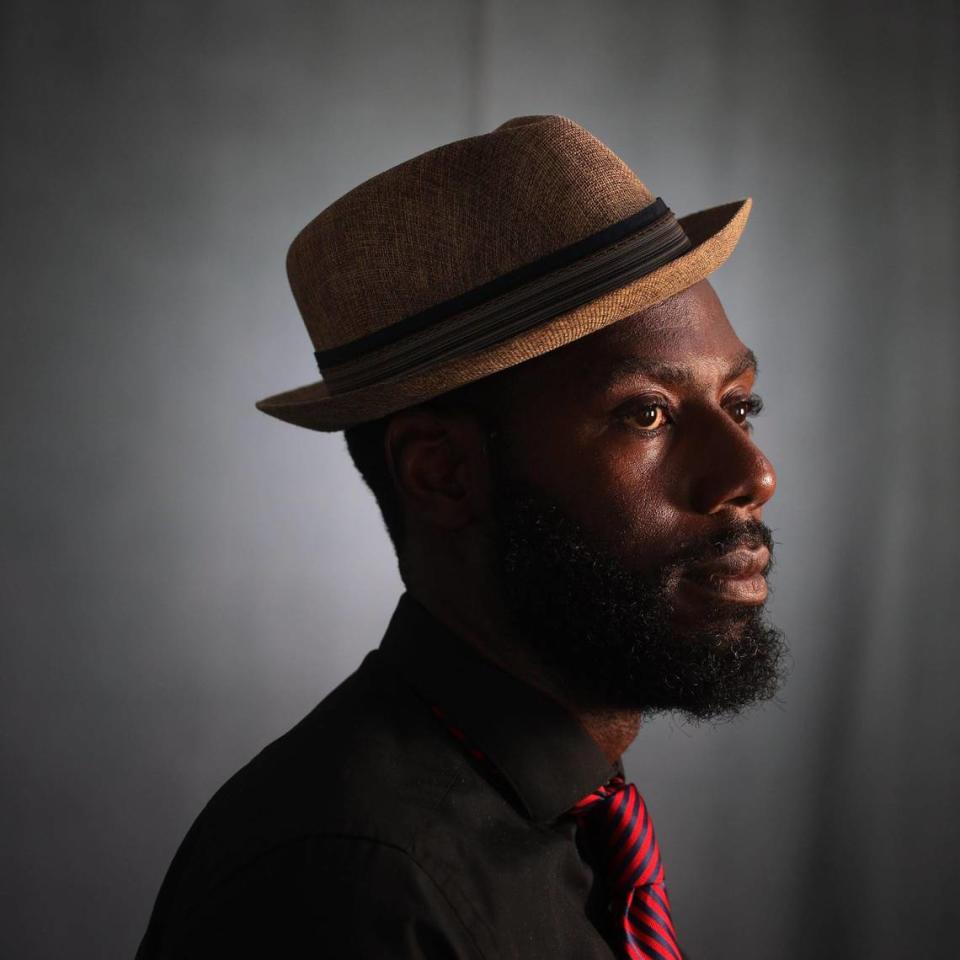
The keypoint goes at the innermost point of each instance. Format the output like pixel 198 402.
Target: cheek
pixel 618 490
pixel 632 502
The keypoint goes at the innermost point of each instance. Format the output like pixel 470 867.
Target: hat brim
pixel 713 234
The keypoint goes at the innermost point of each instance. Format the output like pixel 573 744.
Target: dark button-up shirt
pixel 370 831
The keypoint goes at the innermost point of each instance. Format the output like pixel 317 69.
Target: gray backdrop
pixel 184 577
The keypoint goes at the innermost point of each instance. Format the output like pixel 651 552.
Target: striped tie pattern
pixel 616 818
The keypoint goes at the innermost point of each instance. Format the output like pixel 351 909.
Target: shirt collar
pixel 538 746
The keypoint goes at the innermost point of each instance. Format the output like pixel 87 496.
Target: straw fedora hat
pixel 476 256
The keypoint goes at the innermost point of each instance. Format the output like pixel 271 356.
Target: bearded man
pixel 546 397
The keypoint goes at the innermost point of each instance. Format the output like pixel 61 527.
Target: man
pixel 544 393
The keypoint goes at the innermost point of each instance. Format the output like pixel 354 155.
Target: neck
pixel 613 730
pixel 482 625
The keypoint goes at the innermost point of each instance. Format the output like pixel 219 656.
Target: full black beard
pixel 604 632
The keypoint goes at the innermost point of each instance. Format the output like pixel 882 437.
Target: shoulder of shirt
pixel 369 763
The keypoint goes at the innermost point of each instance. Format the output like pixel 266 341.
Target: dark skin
pixel 640 431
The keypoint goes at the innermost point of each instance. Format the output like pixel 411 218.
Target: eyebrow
pixel 673 373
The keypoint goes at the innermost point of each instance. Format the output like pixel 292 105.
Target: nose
pixel 730 471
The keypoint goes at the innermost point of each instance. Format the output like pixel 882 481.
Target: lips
pixel 737 576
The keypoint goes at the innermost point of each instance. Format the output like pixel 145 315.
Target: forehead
pixel 686 337
pixel 689 323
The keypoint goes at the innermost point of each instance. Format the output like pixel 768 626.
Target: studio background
pixel 184 577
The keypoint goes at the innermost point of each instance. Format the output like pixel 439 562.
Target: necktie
pixel 616 819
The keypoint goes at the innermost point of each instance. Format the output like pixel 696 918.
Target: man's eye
pixel 648 417
pixel 744 407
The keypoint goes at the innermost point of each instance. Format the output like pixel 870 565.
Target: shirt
pixel 370 831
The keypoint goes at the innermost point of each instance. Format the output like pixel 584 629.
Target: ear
pixel 439 466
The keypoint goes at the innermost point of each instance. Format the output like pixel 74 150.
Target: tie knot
pixel 616 819
pixel 593 800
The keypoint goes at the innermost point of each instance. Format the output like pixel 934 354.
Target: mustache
pixel 740 534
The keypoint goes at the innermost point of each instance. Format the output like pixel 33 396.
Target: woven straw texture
pixel 459 216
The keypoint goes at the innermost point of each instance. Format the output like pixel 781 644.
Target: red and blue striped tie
pixel 616 818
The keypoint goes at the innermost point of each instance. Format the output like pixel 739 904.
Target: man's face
pixel 628 495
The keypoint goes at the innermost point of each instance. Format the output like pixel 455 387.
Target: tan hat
pixel 476 256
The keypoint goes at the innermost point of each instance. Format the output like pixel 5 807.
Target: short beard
pixel 605 634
